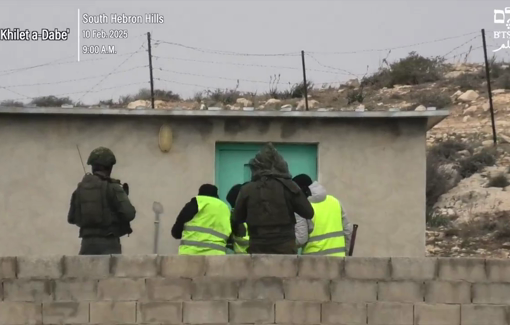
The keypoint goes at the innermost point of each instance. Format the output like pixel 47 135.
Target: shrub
pixel 438 221
pixel 411 70
pixel 477 162
pixel 503 82
pixel 447 151
pixel 434 98
pixel 227 96
pixel 159 94
pixel 469 81
pixel 51 101
pixel 355 95
pixel 11 103
pixel 498 180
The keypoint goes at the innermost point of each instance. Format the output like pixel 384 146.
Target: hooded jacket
pixel 268 203
pixel 318 195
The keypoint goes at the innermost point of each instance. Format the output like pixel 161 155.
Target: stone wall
pixel 253 290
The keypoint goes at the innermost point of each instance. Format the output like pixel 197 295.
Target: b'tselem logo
pixel 500 18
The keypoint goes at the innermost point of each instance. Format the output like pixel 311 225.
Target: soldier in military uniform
pixel 100 207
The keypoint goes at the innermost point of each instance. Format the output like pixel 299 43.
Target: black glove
pixel 125 187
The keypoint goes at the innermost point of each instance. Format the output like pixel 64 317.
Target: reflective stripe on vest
pixel 327 237
pixel 208 231
pixel 241 243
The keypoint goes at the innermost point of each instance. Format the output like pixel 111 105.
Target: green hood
pixel 269 162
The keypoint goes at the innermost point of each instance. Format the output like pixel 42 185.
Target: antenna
pixel 81 160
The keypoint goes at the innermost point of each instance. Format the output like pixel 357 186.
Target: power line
pixel 461 45
pixel 73 80
pixel 243 64
pixel 330 67
pixel 203 50
pixel 391 48
pixel 113 71
pixel 188 84
pixel 15 92
pixel 55 63
pixel 213 77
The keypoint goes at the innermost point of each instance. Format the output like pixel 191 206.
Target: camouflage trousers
pixel 100 246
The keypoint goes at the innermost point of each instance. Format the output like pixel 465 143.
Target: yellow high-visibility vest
pixel 327 237
pixel 208 231
pixel 241 244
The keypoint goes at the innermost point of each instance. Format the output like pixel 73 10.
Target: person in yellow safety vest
pixel 240 238
pixel 332 231
pixel 203 225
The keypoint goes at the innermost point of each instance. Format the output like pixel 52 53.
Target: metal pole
pixel 487 71
pixel 150 68
pixel 304 78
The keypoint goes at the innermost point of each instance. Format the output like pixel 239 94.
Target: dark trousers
pixel 287 248
pixel 100 246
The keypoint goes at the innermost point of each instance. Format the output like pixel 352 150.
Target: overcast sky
pixel 225 35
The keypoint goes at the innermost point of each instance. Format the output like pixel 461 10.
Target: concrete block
pixel 87 267
pixel 27 290
pixel 498 270
pixel 182 266
pixel 353 291
pixel 491 293
pixel 368 268
pixel 415 269
pixel 20 313
pixel 40 267
pixel 135 266
pixel 121 289
pixel 344 313
pixel 168 289
pixel 320 267
pixel 483 314
pixel 462 269
pixel 251 312
pixel 205 312
pixel 400 291
pixel 211 288
pixel 109 312
pixel 7 267
pixel 307 289
pixel 385 313
pixel 65 313
pixel 280 266
pixel 448 292
pixel 263 288
pixel 75 290
pixel 232 266
pixel 437 314
pixel 160 312
pixel 297 312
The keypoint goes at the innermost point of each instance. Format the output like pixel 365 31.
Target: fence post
pixel 304 78
pixel 487 71
pixel 150 68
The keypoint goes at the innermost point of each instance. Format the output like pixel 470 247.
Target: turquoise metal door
pixel 232 162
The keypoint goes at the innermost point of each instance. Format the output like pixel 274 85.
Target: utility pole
pixel 304 78
pixel 150 68
pixel 487 71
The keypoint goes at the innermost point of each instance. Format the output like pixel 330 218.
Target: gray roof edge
pixel 437 114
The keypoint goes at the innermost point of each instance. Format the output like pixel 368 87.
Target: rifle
pixel 353 239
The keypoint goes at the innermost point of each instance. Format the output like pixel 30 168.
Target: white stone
pixel 468 96
pixel 420 108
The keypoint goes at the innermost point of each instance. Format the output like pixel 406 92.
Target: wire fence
pixel 167 70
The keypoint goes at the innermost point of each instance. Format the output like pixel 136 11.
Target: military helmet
pixel 102 156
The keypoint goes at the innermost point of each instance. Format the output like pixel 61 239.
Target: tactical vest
pixel 91 201
pixel 241 243
pixel 208 231
pixel 327 237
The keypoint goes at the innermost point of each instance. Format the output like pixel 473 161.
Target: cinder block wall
pixel 253 290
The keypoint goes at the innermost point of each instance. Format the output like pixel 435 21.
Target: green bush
pixel 434 98
pixel 477 162
pixel 411 70
pixel 11 103
pixel 468 81
pixel 51 101
pixel 159 94
pixel 499 180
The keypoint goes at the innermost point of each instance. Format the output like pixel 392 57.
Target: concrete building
pixel 374 162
